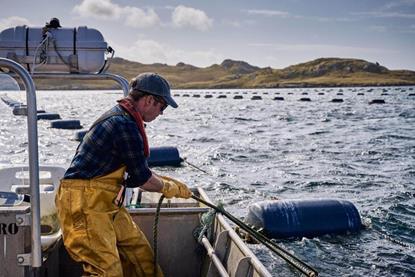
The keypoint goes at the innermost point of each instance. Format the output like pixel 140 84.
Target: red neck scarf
pixel 128 105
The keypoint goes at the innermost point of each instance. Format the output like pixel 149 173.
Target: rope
pixel 196 167
pixel 284 254
pixel 55 47
pixel 71 66
pixel 388 237
pixel 271 197
pixel 107 62
pixel 206 222
pixel 155 232
pixel 44 43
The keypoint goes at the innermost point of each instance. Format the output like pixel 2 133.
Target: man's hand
pixel 174 188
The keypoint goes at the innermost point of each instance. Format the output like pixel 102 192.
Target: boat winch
pixel 296 218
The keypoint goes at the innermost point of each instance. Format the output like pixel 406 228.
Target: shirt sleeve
pixel 130 147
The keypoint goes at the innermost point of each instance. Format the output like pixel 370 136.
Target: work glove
pixel 174 188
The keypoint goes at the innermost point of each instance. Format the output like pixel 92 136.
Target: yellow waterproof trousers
pixel 98 233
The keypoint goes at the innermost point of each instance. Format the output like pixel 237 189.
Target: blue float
pixel 79 135
pixel 159 156
pixel 304 218
pixel 20 110
pixel 48 116
pixel 164 156
pixel 10 102
pixel 377 101
pixel 66 124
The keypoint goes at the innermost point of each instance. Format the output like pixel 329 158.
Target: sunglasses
pixel 161 101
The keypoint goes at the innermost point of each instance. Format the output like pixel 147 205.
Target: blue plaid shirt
pixel 110 144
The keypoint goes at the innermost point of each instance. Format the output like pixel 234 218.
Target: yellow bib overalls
pixel 98 233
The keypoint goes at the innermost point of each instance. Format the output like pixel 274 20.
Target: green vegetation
pixel 324 72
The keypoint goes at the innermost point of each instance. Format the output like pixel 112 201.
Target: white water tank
pixel 75 50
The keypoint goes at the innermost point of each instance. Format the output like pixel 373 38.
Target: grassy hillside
pixel 239 74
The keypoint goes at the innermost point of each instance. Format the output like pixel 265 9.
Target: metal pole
pixel 33 157
pixel 92 76
pixel 86 76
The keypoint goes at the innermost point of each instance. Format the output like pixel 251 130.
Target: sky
pixel 274 33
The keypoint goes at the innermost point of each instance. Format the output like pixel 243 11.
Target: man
pixel 97 229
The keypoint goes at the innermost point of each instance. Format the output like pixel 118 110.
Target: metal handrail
pixel 36 251
pixel 91 76
pixel 236 239
pixel 86 76
pixel 27 79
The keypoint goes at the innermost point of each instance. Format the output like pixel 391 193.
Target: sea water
pixel 255 150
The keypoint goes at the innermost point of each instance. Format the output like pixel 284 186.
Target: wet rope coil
pixel 206 223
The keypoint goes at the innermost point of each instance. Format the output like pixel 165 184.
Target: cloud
pixel 377 28
pixel 189 17
pixel 398 4
pixel 383 14
pixel 149 51
pixel 143 51
pixel 269 13
pixel 138 18
pixel 401 9
pixel 13 21
pixel 283 14
pixel 232 23
pixel 106 10
pixel 142 18
pixel 100 9
pixel 408 30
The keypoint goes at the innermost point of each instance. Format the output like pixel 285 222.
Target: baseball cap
pixel 153 83
pixel 54 23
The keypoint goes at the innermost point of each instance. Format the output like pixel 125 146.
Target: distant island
pixel 323 72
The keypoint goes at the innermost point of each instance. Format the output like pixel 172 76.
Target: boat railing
pixel 225 236
pixel 86 76
pixel 34 258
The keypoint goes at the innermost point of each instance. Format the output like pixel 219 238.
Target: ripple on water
pixel 410 113
pixel 258 150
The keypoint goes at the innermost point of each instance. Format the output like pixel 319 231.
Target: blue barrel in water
pixel 304 218
pixel 164 156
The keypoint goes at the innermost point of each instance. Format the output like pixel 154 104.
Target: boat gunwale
pixel 254 261
pixel 186 210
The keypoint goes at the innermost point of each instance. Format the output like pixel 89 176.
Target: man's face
pixel 155 106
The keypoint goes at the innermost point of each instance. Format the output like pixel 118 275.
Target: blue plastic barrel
pixel 164 156
pixel 304 218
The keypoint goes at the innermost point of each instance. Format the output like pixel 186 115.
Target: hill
pixel 324 72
